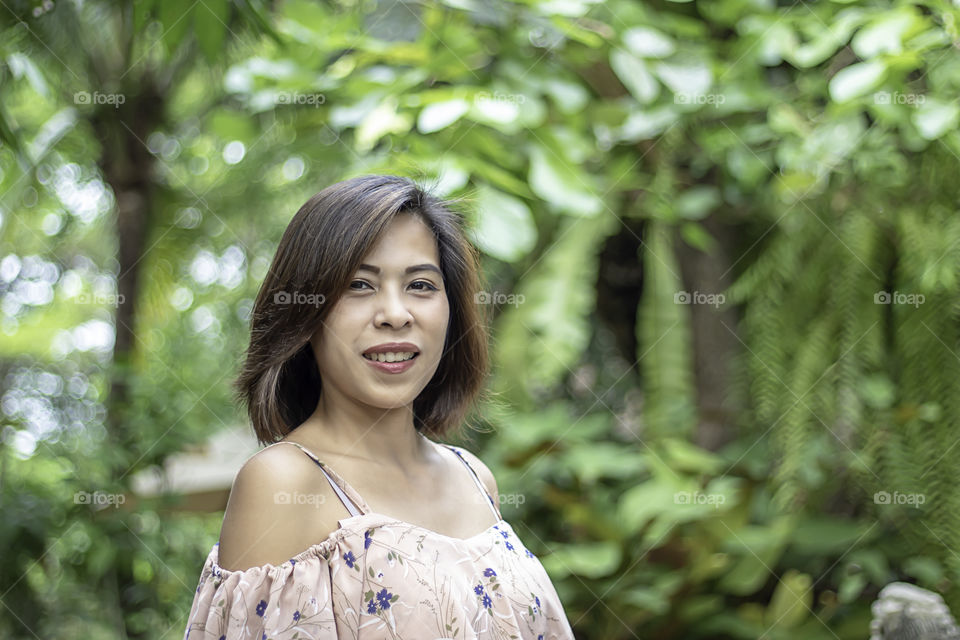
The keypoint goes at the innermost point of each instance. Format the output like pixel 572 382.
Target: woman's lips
pixel 392 367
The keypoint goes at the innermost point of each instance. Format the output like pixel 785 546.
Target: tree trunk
pixel 128 167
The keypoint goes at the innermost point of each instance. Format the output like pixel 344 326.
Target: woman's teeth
pixel 389 357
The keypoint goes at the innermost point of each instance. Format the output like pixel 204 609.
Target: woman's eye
pixel 424 285
pixel 429 286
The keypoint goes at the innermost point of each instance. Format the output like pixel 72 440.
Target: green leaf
pixel 685 456
pixel 439 115
pixel 885 34
pixel 562 185
pixel 210 21
pixel 691 78
pixel 696 202
pixel 878 391
pixel 51 133
pixel 593 560
pixel 927 570
pixel 935 117
pixel 21 66
pixel 758 548
pixel 647 124
pixel 644 502
pixel 792 600
pixel 647 42
pixel 596 460
pixel 851 586
pixel 175 18
pixel 498 110
pixel 543 335
pixel 569 97
pixel 383 120
pixel 634 75
pixel 141 14
pixel 821 535
pixel 856 80
pixel 229 124
pixel 695 235
pixel 505 227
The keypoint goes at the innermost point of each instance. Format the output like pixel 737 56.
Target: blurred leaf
pixel 561 184
pixel 635 76
pixel 886 33
pixel 648 42
pixel 438 115
pixel 588 560
pixel 696 202
pixel 792 600
pixel 856 80
pixel 210 20
pixel 934 118
pixel 505 228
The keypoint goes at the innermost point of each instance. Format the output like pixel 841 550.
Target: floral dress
pixel 379 577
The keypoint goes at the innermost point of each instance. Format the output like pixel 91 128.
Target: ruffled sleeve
pixel 269 601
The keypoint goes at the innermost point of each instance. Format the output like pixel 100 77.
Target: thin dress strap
pixel 347 494
pixel 476 478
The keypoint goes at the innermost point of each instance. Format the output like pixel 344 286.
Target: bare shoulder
pixel 280 504
pixel 486 477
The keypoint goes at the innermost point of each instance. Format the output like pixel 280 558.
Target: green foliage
pixel 823 135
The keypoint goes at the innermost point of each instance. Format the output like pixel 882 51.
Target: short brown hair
pixel 320 251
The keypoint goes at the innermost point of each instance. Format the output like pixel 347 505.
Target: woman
pixel 366 341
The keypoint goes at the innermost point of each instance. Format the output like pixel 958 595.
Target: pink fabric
pixel 379 577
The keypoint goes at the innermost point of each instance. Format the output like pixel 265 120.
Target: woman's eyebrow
pixel 413 269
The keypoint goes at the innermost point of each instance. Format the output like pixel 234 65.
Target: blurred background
pixel 721 247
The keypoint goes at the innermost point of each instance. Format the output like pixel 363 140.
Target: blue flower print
pixel 349 558
pixel 489 572
pixel 509 546
pixel 380 601
pixel 223 637
pixel 478 589
pixel 383 599
pixel 487 601
pixel 296 616
pixel 505 534
pixel 367 539
pixel 261 608
pixel 529 553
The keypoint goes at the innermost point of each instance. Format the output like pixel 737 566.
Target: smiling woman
pixel 366 341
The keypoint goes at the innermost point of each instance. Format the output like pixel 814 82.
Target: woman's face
pixel 386 304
